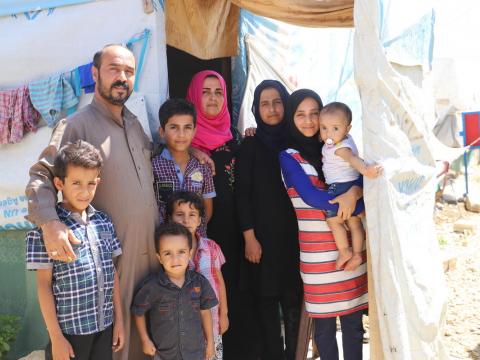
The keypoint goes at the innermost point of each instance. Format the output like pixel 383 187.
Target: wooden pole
pixel 376 350
pixel 304 334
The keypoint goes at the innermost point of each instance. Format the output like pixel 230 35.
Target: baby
pixel 341 167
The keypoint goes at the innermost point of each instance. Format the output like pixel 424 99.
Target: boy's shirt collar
pixel 164 280
pixel 65 213
pixel 166 154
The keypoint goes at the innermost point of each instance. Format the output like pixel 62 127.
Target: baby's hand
pixel 209 350
pixel 372 171
pixel 148 347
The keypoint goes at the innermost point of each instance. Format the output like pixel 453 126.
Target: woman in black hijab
pixel 266 216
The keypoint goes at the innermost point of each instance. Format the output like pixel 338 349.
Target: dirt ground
pixel 462 328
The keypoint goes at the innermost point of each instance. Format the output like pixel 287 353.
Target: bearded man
pixel 125 191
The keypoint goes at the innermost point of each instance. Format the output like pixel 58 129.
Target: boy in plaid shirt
pixel 174 168
pixel 186 208
pixel 79 300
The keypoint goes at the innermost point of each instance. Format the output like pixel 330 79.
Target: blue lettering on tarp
pixel 19 225
pixel 12 201
pixel 8 213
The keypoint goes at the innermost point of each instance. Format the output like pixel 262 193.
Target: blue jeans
pixel 352 336
pixel 336 189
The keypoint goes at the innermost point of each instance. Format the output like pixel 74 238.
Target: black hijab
pixel 273 136
pixel 309 148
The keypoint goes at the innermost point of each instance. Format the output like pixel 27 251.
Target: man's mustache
pixel 119 83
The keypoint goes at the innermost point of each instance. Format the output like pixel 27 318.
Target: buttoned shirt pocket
pixel 163 189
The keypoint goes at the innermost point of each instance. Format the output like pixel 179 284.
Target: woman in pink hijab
pixel 208 92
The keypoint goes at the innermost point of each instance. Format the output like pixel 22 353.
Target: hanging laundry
pixel 17 115
pixel 74 78
pixel 86 80
pixel 51 96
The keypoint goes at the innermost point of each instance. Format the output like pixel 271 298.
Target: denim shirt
pixel 174 314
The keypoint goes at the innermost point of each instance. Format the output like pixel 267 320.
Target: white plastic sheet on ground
pixel 397 131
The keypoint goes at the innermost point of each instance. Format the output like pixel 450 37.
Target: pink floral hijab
pixel 212 132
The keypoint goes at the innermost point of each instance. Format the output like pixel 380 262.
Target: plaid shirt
pixel 207 260
pixel 169 178
pixel 83 289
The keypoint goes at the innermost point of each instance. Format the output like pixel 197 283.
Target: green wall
pixel 18 295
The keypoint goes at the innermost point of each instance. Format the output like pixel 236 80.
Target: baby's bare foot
pixel 354 262
pixel 343 256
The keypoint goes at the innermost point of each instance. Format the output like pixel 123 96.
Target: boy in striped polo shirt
pixel 79 300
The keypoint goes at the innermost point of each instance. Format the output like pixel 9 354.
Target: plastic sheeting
pixel 69 37
pixel 208 29
pixel 311 13
pixel 51 42
pixel 397 128
pixel 320 59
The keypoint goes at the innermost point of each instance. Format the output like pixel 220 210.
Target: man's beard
pixel 108 94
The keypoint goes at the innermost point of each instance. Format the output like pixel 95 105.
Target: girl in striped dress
pixel 328 292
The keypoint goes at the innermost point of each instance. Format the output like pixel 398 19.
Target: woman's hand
pixel 203 158
pixel 253 249
pixel 250 131
pixel 347 202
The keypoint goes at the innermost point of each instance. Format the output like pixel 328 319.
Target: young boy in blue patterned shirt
pixel 79 300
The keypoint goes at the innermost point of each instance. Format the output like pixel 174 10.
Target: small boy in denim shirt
pixel 177 301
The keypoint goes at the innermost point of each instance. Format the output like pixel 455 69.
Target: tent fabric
pixel 406 265
pixel 311 13
pixel 206 29
pixel 209 29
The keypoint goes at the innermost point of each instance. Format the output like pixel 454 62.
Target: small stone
pixel 463 224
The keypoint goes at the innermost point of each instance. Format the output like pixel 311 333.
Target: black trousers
pixel 272 343
pixel 352 336
pixel 96 346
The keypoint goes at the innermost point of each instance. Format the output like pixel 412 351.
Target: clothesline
pixel 21 107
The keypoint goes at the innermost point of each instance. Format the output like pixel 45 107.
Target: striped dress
pixel 328 292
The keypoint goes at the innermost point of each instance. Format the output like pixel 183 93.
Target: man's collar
pixel 106 112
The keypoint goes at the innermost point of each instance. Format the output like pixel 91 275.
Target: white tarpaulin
pixel 397 132
pixel 296 56
pixel 59 40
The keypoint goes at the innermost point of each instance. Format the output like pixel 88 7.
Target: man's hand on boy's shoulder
pixel 58 239
pixel 203 158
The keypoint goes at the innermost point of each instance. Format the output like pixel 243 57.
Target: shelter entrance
pixel 182 66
